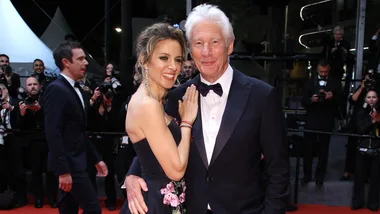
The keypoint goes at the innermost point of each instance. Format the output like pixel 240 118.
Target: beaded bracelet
pixel 186 125
pixel 185 122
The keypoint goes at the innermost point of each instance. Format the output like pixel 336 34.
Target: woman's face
pixel 371 98
pixel 165 63
pixel 109 69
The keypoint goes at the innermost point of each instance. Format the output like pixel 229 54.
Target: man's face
pixel 323 71
pixel 32 86
pixel 209 50
pixel 78 67
pixel 338 35
pixel 4 60
pixel 187 68
pixel 38 67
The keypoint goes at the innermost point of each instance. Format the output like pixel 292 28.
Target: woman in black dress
pixel 162 145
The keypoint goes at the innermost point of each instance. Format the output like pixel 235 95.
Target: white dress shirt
pixel 212 109
pixel 72 83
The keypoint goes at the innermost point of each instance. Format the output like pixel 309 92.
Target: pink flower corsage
pixel 174 196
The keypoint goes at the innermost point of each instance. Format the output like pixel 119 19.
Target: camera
pixel 109 89
pixel 27 100
pixel 321 91
pixel 6 69
pixel 370 83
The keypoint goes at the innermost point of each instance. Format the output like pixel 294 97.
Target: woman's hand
pixel 188 107
pixel 374 116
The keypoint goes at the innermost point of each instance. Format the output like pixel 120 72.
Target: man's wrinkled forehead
pixel 31 81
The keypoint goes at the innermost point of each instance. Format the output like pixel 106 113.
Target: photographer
pixel 32 121
pixel 39 73
pixel 367 156
pixel 356 100
pixel 12 172
pixel 111 72
pixel 103 116
pixel 320 99
pixel 7 77
pixel 336 52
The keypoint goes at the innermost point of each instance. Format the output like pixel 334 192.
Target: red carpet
pixel 303 209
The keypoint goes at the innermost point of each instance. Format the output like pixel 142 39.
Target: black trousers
pixel 82 194
pixel 320 143
pixel 12 173
pixel 351 148
pixel 105 147
pixel 364 163
pixel 38 159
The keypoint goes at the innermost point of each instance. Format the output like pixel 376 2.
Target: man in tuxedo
pixel 321 100
pixel 239 119
pixel 65 119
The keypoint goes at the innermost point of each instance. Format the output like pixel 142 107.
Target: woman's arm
pixel 172 159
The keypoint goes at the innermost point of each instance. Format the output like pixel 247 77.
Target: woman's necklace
pixel 150 92
pixel 154 97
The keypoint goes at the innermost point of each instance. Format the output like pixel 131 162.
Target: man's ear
pixel 231 47
pixel 65 62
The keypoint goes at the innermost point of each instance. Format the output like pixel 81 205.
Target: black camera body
pixel 30 101
pixel 6 69
pixel 321 89
pixel 106 89
pixel 370 84
pixel 27 100
pixel 109 89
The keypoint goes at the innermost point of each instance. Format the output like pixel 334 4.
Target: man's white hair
pixel 207 12
pixel 339 28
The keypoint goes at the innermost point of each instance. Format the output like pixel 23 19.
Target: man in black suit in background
pixel 65 116
pixel 321 100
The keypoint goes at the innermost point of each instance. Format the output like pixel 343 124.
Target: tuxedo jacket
pixel 252 124
pixel 321 115
pixel 65 125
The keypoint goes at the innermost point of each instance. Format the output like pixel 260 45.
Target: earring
pixel 146 76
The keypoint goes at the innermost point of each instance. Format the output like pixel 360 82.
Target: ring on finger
pixel 184 98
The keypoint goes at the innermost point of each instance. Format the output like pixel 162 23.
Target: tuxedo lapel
pixel 236 102
pixel 79 102
pixel 197 126
pixel 198 137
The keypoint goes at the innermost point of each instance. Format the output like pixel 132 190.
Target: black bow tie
pixel 77 85
pixel 204 89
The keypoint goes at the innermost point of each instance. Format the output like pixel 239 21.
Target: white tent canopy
pixel 56 31
pixel 55 34
pixel 19 42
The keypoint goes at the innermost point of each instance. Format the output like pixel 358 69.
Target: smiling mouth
pixel 208 63
pixel 169 76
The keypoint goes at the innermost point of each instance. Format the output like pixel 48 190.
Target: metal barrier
pixel 298 156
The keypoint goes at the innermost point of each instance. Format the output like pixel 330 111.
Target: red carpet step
pixel 303 209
